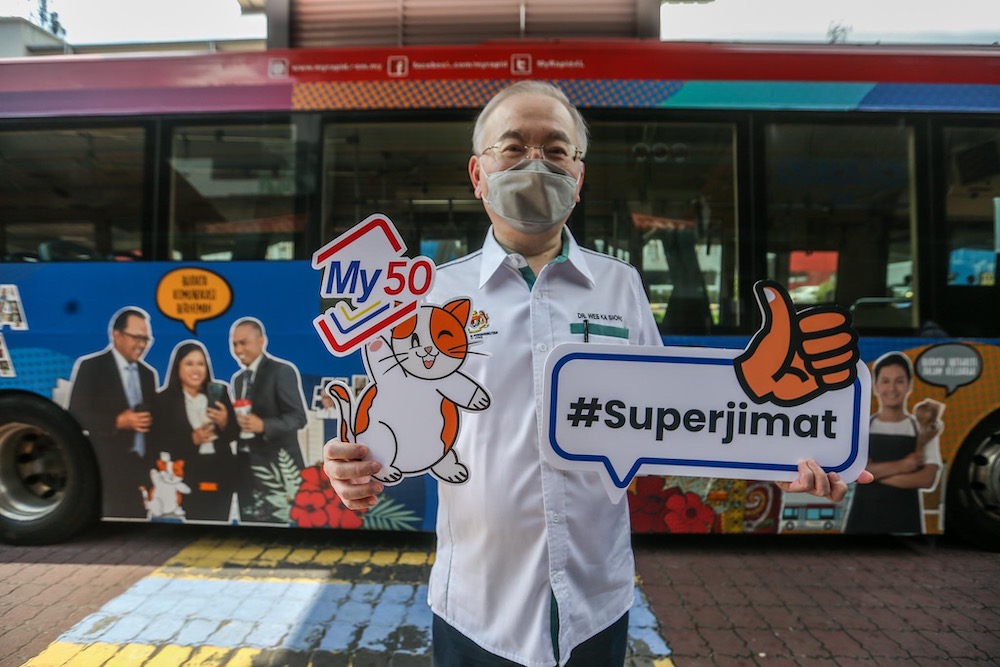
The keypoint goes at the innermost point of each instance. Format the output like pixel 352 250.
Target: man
pixel 277 413
pixel 111 396
pixel 534 565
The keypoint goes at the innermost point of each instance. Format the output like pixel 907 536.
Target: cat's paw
pixel 480 400
pixel 451 470
pixel 390 475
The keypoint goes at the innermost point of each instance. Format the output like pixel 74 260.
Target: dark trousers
pixel 453 649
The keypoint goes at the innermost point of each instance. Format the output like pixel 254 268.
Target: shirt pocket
pixel 593 332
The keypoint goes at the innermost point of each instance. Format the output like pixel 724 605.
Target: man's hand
pixel 814 481
pixel 250 423
pixel 350 475
pixel 130 420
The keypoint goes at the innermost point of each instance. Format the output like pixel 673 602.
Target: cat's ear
pixel 460 308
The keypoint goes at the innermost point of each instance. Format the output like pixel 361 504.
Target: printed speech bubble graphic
pixel 951 365
pixel 798 391
pixel 193 295
pixel 601 415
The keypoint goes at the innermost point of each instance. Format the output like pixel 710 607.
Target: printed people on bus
pixel 555 552
pixel 111 394
pixel 195 423
pixel 904 453
pixel 270 411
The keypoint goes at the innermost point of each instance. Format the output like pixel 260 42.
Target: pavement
pixel 135 594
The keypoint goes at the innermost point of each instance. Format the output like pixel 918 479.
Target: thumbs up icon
pixel 795 357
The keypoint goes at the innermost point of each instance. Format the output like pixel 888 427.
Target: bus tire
pixel 973 500
pixel 49 483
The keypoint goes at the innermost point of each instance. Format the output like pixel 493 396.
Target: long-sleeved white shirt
pixel 519 531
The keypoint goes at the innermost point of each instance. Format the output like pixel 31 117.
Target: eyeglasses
pixel 510 153
pixel 139 338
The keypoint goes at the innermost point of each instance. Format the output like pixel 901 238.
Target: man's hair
pixel 250 322
pixel 530 87
pixel 894 359
pixel 121 321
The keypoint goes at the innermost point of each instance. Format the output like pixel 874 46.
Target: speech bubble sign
pixel 193 295
pixel 621 412
pixel 951 365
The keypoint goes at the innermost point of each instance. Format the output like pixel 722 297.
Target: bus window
pixel 972 210
pixel 840 219
pixel 663 197
pixel 233 193
pixel 71 194
pixel 415 173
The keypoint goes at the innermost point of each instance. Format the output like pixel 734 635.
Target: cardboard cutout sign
pixel 799 390
pixel 409 413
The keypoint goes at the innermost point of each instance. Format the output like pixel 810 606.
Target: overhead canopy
pixel 329 23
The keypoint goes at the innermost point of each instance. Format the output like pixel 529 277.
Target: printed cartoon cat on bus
pixel 417 366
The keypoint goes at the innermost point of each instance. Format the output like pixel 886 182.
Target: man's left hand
pixel 814 481
pixel 250 423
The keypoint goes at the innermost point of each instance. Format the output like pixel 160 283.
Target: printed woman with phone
pixel 196 424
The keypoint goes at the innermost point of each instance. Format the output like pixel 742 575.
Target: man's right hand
pixel 130 420
pixel 351 475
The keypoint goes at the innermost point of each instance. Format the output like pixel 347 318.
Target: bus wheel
pixel 973 501
pixel 49 486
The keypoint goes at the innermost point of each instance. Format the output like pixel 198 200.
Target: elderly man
pixel 534 565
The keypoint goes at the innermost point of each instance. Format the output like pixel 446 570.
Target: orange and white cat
pixel 164 497
pixel 408 415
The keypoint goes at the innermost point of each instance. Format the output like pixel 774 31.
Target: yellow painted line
pixel 357 314
pixel 384 558
pixel 244 657
pixel 169 656
pixel 356 558
pixel 131 655
pixel 328 557
pixel 415 558
pixel 208 656
pixel 95 654
pixel 56 655
pixel 663 662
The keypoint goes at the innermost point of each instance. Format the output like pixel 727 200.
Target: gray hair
pixel 530 87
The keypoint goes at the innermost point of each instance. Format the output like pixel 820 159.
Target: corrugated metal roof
pixel 330 23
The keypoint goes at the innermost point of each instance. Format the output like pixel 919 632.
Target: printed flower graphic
pixel 316 505
pixel 648 504
pixel 686 513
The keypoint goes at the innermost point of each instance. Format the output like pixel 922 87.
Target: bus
pixel 169 206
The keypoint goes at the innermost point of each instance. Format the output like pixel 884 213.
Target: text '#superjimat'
pixel 735 420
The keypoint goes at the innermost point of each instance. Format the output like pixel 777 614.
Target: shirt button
pixel 556 518
pixel 542 347
pixel 538 296
pixel 558 577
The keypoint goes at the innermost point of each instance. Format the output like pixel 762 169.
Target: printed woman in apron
pixel 904 454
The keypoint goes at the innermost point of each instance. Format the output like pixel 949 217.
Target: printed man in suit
pixel 111 394
pixel 277 413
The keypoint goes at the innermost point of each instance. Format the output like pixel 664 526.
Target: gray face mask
pixel 533 195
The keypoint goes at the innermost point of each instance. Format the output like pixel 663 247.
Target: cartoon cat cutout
pixel 409 414
pixel 164 497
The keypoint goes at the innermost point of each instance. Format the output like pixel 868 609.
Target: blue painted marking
pixel 338 618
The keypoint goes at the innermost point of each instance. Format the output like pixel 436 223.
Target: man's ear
pixel 579 183
pixel 476 176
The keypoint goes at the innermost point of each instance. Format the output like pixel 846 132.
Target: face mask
pixel 533 195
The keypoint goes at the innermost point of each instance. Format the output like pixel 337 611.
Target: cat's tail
pixel 341 395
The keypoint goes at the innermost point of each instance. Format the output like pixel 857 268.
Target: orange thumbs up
pixel 795 357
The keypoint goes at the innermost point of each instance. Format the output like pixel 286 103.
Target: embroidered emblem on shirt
pixel 479 321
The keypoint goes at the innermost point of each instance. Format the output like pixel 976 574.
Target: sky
pixel 895 21
pixel 887 21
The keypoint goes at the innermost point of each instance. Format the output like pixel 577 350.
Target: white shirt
pixel 520 530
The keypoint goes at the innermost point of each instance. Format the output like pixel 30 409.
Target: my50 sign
pixel 378 289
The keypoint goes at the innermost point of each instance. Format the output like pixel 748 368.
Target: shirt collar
pixel 121 361
pixel 494 256
pixel 255 364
